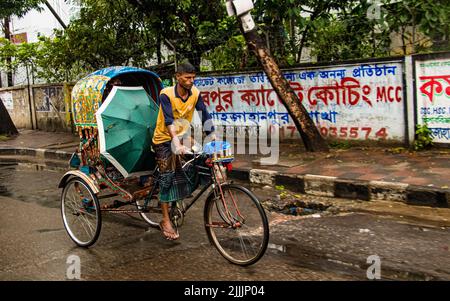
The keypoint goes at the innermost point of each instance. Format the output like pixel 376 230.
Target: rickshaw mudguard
pixel 80 174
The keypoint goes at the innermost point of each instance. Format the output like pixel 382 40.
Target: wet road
pixel 35 246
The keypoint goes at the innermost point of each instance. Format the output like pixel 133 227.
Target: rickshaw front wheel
pixel 81 212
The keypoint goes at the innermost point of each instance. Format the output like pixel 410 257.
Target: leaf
pixel 279 187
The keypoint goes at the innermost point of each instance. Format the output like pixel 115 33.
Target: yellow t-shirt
pixel 183 113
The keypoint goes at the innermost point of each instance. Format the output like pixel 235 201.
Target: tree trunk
pixel 158 48
pixel 404 40
pixel 7 31
pixel 6 125
pixel 311 137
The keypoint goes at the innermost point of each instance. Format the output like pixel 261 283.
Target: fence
pixel 379 100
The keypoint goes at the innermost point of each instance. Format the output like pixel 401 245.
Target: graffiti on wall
pixel 433 97
pixel 49 99
pixel 7 99
pixel 360 102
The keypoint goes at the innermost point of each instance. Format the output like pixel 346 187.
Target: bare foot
pixel 168 231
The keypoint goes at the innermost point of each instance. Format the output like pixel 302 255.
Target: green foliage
pixel 108 33
pixel 424 138
pixel 284 194
pixel 24 54
pixel 340 144
pixel 7 50
pixel 134 32
pixel 279 187
pixel 232 55
pixel 193 27
pixel 431 18
pixel 58 61
pixel 397 150
pixel 291 24
pixel 18 8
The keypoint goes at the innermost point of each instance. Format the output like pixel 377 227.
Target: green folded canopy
pixel 126 123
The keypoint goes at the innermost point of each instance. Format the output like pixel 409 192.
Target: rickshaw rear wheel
pixel 81 212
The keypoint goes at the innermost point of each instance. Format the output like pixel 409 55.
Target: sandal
pixel 169 235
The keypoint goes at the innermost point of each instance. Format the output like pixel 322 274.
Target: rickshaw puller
pixel 177 106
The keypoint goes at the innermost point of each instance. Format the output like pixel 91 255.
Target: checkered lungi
pixel 175 182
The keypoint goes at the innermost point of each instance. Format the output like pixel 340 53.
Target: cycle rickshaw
pixel 114 111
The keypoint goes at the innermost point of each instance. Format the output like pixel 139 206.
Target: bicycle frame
pixel 210 183
pixel 213 181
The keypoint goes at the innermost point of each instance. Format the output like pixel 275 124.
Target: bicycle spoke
pixel 88 223
pixel 244 249
pixel 81 215
pixel 245 240
pixel 83 226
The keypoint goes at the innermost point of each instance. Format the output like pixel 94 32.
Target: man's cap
pixel 186 67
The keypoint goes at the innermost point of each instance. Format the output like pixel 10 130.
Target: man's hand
pixel 181 150
pixel 177 147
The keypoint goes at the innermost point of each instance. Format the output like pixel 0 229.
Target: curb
pixel 350 188
pixel 35 152
pixel 308 184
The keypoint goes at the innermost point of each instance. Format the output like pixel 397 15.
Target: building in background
pixel 35 24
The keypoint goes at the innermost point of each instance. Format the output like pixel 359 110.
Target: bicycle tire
pixel 88 207
pixel 254 227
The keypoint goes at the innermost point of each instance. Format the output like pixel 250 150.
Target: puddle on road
pixel 33 183
pixel 298 209
pixel 282 201
pixel 295 207
pixel 275 247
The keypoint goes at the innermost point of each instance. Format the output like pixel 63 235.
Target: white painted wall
pixel 352 102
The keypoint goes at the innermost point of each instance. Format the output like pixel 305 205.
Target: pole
pixel 309 133
pixel 175 54
pixel 55 14
pixel 7 30
pixel 29 97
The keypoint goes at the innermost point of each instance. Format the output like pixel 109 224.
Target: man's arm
pixel 166 107
pixel 206 117
pixel 176 141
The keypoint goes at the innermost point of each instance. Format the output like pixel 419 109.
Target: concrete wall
pixel 432 94
pixel 48 107
pixel 378 100
pixel 361 101
pixel 17 103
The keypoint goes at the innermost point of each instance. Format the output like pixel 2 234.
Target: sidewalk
pixel 393 174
